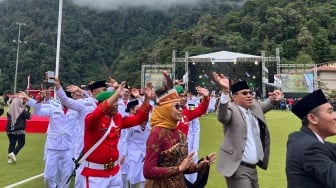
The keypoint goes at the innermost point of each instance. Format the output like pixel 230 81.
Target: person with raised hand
pixel 59 144
pixel 83 106
pixel 246 141
pixel 101 167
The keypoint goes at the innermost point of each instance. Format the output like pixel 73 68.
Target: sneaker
pixel 12 157
pixel 9 161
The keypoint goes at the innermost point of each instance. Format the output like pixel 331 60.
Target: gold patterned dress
pixel 166 149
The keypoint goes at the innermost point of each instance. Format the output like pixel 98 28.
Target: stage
pixel 36 124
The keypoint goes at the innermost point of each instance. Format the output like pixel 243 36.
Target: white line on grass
pixel 24 181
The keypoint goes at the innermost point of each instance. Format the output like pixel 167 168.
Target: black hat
pixel 239 86
pixel 97 84
pixel 131 104
pixel 308 103
pixel 128 87
pixel 68 94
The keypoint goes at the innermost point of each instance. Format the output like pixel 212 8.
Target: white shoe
pixel 9 161
pixel 12 157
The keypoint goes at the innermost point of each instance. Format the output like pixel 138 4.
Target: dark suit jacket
pixel 235 134
pixel 310 163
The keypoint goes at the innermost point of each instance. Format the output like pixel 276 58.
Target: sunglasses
pixel 178 106
pixel 246 92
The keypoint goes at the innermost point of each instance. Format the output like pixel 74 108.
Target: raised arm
pixel 143 112
pixel 66 101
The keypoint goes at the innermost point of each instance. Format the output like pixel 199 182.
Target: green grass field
pixel 281 123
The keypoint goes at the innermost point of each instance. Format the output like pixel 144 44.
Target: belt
pixel 98 166
pixel 248 165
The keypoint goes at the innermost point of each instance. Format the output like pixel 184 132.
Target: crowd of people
pixel 121 137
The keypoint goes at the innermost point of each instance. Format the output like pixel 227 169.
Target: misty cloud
pixel 115 4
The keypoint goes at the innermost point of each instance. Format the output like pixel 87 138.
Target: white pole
pixel 17 60
pixel 17 55
pixel 58 36
pixel 60 7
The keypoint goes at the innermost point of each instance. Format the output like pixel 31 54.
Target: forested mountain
pixel 96 44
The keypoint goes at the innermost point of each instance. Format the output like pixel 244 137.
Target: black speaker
pixel 271 75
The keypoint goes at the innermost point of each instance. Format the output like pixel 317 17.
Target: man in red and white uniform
pixel 101 168
pixel 188 115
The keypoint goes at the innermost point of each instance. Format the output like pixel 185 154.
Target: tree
pixel 303 58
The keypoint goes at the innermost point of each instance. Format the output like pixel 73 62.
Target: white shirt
pixel 193 136
pixel 83 107
pixel 250 154
pixel 319 138
pixel 61 127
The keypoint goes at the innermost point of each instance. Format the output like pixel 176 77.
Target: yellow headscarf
pixel 161 115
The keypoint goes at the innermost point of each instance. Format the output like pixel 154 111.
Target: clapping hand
pixel 148 92
pixel 210 159
pixel 185 164
pixel 120 90
pixel 202 91
pixel 135 92
pixel 276 95
pixel 22 95
pixel 73 88
pixel 221 80
pixel 57 83
pixel 113 83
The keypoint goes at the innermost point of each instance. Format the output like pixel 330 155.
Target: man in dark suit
pixel 246 137
pixel 310 160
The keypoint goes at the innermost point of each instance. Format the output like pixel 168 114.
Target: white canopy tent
pixel 225 57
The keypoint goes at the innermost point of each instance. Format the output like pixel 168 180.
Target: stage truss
pixel 262 61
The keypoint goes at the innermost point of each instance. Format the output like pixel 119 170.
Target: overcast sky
pixel 115 4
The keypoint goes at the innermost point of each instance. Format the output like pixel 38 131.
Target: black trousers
pixel 16 142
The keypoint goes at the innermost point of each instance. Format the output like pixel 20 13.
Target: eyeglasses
pixel 178 106
pixel 246 92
